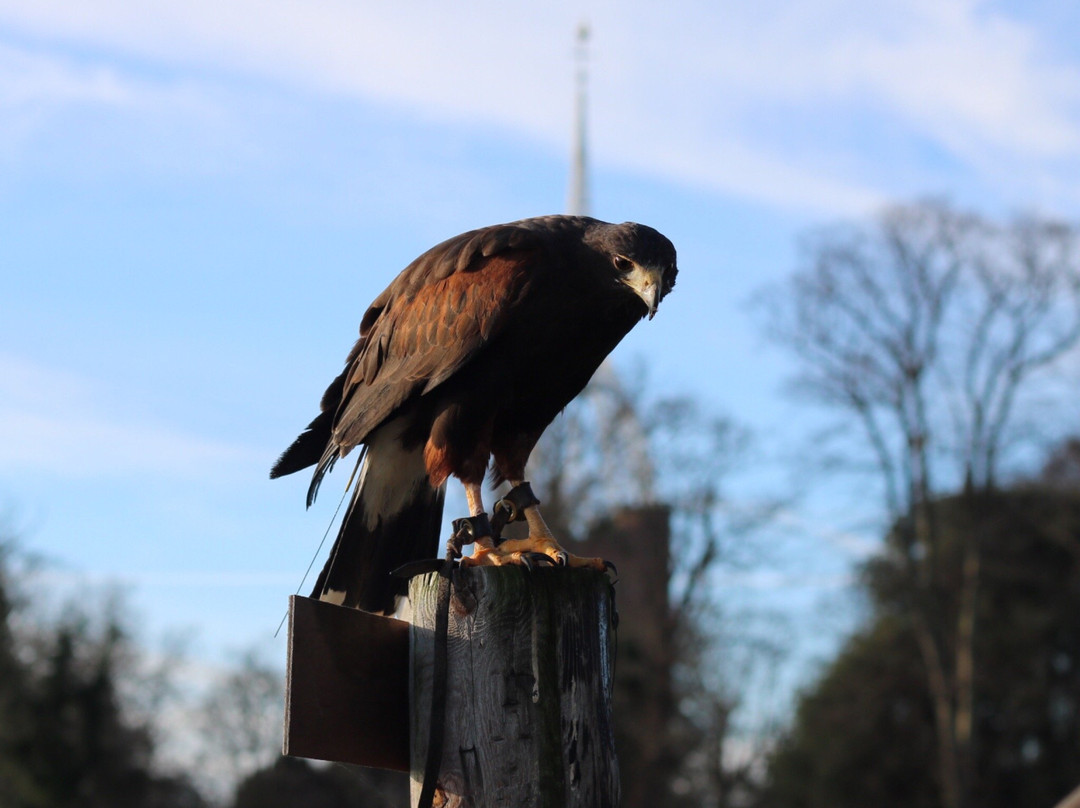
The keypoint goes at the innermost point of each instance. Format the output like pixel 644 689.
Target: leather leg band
pixel 511 508
pixel 471 528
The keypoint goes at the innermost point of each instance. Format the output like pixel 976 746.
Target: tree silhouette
pixel 864 734
pixel 927 329
pixel 65 737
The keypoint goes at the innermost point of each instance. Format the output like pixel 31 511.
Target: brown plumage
pixel 469 354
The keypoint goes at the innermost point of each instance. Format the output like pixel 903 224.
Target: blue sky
pixel 198 200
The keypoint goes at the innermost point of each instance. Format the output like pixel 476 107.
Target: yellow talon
pixel 516 551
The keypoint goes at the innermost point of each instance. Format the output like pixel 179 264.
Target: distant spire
pixel 578 201
pixel 631 449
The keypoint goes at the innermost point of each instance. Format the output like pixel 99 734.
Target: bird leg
pixel 482 545
pixel 474 497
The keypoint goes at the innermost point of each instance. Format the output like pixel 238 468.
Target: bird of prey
pixel 466 358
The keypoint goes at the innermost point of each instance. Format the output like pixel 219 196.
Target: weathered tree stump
pixel 530 658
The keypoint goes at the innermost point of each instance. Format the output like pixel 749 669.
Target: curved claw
pixel 562 558
pixel 533 560
pixel 610 567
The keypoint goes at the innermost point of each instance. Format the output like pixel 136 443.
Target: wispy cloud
pixel 58 423
pixel 41 81
pixel 766 101
pixel 204 579
pixel 34 79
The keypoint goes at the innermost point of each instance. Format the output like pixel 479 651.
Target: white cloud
pixel 711 94
pixel 32 86
pixel 58 423
pixel 96 106
pixel 30 79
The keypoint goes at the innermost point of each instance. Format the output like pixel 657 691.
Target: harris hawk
pixel 465 359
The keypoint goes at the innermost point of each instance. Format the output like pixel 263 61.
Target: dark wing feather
pixel 429 322
pixel 308 448
pixel 420 339
pixel 422 329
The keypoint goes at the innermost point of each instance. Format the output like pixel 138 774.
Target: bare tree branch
pixel 928 327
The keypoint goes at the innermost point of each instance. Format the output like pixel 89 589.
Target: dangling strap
pixel 466 531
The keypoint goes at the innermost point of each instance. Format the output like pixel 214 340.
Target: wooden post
pixel 530 658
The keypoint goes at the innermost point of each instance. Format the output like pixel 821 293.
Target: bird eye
pixel 623 264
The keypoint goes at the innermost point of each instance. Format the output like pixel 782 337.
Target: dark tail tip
pixel 306 450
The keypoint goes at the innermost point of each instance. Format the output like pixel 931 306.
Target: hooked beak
pixel 647 284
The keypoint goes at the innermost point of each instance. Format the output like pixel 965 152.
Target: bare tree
pixel 240 721
pixel 928 327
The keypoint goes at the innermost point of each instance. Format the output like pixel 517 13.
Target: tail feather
pixel 307 449
pixel 395 517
